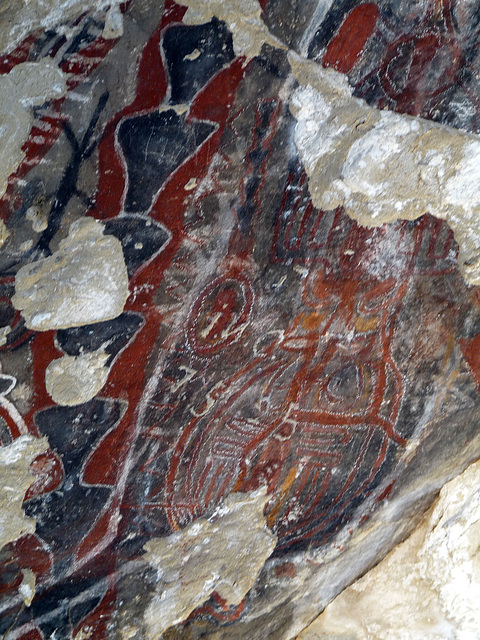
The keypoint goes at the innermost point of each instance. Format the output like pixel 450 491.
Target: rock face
pixel 239 259
pixel 73 380
pixel 27 85
pixel 242 18
pixel 209 555
pixel 84 281
pixel 382 166
pixel 15 479
pixel 19 18
pixel 427 587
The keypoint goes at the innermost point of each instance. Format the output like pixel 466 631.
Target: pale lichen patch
pixel 223 553
pixel 383 166
pixel 84 282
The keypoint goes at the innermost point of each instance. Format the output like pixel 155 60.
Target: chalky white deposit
pixel 15 479
pixel 27 85
pixel 84 282
pixel 383 166
pixel 223 553
pixel 72 380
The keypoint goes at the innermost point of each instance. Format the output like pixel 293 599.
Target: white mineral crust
pixel 84 282
pixel 223 553
pixel 427 588
pixel 383 166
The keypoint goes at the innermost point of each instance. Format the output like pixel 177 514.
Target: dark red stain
pixel 286 570
pixel 346 47
pixel 471 352
pixel 386 493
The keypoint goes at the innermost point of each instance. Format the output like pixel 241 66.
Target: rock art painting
pixel 239 322
pixel 381 165
pixel 428 592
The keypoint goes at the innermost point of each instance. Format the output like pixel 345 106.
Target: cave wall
pixel 239 254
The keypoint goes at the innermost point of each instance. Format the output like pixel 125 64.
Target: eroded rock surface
pixel 27 85
pixel 383 166
pixel 84 281
pixel 15 479
pixel 428 587
pixel 224 553
pixel 20 17
pixel 73 380
pixel 162 230
pixel 243 18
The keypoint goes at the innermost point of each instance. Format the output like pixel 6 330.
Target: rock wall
pixel 427 587
pixel 239 323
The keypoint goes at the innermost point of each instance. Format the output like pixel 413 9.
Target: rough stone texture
pixel 73 380
pixel 27 85
pixel 208 555
pixel 250 339
pixel 84 281
pixel 382 166
pixel 242 17
pixel 15 479
pixel 18 18
pixel 428 587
